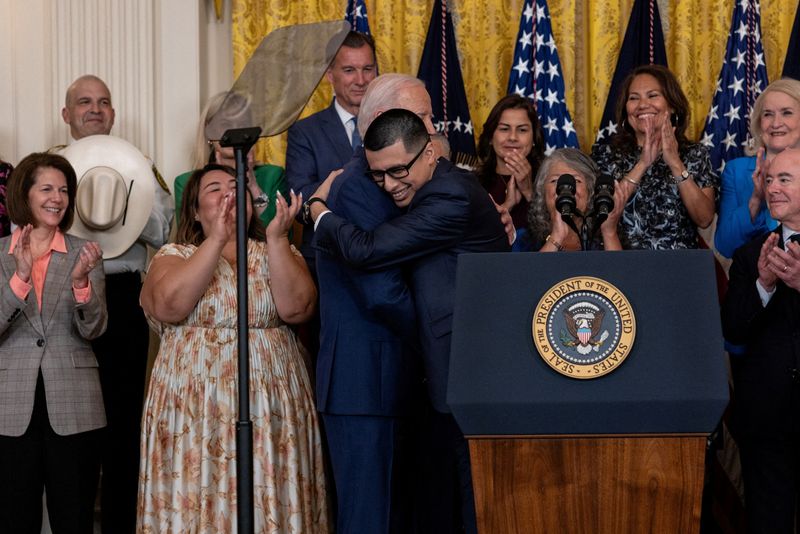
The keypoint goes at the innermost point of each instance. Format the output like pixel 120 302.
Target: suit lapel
pixel 336 134
pixel 31 311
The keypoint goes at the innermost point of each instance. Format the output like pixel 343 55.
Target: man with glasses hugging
pixel 446 212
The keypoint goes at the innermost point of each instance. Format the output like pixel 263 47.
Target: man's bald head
pixel 395 91
pixel 87 107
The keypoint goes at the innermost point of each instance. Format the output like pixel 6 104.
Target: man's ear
pixel 329 75
pixel 65 114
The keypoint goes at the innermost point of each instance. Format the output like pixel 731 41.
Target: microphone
pixel 603 198
pixel 565 196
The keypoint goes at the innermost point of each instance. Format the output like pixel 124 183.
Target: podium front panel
pixel 673 381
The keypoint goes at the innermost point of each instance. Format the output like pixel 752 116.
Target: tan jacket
pixel 55 340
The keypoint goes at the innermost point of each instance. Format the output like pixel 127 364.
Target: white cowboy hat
pixel 115 192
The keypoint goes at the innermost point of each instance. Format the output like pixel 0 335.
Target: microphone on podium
pixel 565 197
pixel 603 199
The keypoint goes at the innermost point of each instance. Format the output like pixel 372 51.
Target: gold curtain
pixel 588 34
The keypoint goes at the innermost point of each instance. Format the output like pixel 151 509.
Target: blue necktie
pixel 356 139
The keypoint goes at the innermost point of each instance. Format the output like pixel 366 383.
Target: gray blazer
pixel 55 340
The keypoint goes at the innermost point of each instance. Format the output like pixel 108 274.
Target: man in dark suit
pixel 366 366
pixel 447 213
pixel 762 312
pixel 325 141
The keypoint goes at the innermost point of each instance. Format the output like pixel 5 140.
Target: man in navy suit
pixel 325 141
pixel 762 312
pixel 367 368
pixel 447 213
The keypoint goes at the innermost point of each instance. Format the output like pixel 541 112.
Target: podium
pixel 623 452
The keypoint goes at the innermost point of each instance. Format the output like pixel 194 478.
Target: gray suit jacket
pixel 55 340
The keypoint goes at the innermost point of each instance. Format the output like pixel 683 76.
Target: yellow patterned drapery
pixel 588 34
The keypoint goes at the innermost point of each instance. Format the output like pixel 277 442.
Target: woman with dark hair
pixel 52 300
pixel 549 232
pixel 187 476
pixel 668 181
pixel 510 148
pixel 5 222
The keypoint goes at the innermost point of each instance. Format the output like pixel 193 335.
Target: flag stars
pixel 468 127
pixel 568 128
pixel 611 128
pixel 528 12
pixel 742 31
pixel 552 97
pixel 551 44
pixel 522 67
pixel 538 68
pixel 730 140
pixel 540 14
pixel 736 86
pixel 712 115
pixel 552 70
pixel 707 140
pixel 520 90
pixel 525 40
pixel 739 59
pixel 732 114
pixel 457 124
pixel 551 126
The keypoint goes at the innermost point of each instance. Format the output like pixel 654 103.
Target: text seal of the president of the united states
pixel 584 327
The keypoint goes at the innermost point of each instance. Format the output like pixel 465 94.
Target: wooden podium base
pixel 588 484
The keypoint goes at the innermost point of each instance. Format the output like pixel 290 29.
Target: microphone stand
pixel 242 140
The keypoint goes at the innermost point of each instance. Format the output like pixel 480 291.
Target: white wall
pixel 161 60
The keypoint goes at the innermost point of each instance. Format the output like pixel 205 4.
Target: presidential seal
pixel 584 327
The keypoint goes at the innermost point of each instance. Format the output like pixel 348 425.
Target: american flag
pixel 741 80
pixel 643 45
pixel 356 15
pixel 441 71
pixel 536 74
pixel 791 67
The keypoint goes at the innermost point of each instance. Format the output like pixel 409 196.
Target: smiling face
pixel 514 132
pixel 48 197
pixel 780 122
pixel 394 156
pixel 646 101
pixel 88 109
pixel 350 73
pixel 782 188
pixel 581 192
pixel 213 186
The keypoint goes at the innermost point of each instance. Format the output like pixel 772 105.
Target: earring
pixel 196 218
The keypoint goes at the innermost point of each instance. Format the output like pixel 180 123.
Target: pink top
pixel 39 272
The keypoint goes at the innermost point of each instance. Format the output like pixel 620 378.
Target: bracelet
pixel 634 182
pixel 559 246
pixel 261 200
pixel 307 208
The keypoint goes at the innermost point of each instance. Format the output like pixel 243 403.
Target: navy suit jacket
pixel 765 392
pixel 316 146
pixel 366 362
pixel 449 215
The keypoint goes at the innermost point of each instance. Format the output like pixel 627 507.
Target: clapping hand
pixel 88 258
pixel 23 255
pixel 757 197
pixel 521 172
pixel 284 216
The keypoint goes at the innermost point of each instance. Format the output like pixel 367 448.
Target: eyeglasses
pixel 401 171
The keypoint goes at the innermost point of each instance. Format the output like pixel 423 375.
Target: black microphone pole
pixel 242 140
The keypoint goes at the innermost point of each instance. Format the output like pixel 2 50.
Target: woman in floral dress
pixel 188 470
pixel 668 181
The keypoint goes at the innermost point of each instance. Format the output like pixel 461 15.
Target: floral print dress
pixel 187 480
pixel 655 216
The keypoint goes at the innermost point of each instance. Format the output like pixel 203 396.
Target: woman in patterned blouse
pixel 670 186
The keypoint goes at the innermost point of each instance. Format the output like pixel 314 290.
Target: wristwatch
pixel 261 200
pixel 682 177
pixel 307 209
